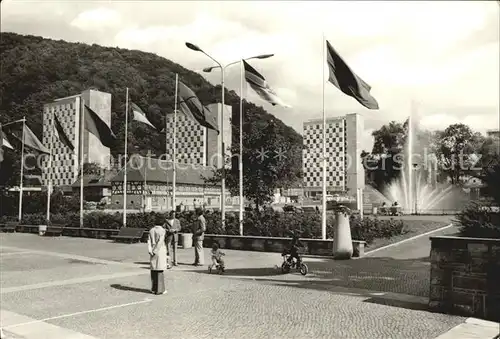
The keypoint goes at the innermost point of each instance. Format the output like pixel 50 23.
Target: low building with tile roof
pixel 149 186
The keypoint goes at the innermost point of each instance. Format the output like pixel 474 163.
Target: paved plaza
pixel 85 288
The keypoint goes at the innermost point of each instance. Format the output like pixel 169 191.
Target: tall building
pixel 197 144
pixel 344 172
pixel 66 162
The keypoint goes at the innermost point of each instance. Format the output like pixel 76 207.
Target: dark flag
pixel 347 81
pixel 261 87
pixel 61 135
pixel 95 125
pixel 190 105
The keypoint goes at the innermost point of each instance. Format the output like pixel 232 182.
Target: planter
pixel 342 240
pixel 186 240
pixel 42 229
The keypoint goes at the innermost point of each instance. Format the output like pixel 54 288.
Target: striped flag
pixel 61 135
pixel 261 87
pixel 190 105
pixel 95 125
pixel 342 77
pixel 30 139
pixel 139 115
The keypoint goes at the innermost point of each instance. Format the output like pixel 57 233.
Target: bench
pixel 9 227
pixel 129 234
pixel 54 230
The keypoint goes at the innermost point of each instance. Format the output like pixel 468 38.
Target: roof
pixel 155 170
pixel 95 180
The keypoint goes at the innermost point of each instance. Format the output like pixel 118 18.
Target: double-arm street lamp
pixel 240 160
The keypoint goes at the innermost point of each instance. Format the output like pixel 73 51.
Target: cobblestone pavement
pixel 100 289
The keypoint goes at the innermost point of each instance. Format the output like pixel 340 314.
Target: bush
pixel 478 221
pixel 268 223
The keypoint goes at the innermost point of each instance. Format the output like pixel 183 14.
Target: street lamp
pixel 415 166
pixel 223 180
pixel 240 161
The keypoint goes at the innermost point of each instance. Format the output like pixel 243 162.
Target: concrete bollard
pixel 342 240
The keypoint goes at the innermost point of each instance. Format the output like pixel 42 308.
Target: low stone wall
pixel 275 244
pixel 465 276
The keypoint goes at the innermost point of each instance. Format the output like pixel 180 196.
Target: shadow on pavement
pixel 244 272
pixel 387 275
pixel 129 288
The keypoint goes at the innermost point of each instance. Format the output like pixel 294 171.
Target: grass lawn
pixel 413 228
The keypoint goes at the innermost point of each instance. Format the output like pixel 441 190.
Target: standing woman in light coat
pixel 158 258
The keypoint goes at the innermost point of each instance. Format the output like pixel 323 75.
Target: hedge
pixel 268 223
pixel 478 221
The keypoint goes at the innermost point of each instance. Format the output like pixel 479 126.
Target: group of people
pixel 162 248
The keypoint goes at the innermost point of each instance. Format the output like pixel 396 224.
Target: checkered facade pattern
pixel 197 144
pixel 343 150
pixel 191 140
pixel 65 162
pixel 65 166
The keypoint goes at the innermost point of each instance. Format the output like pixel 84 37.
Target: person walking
pixel 173 227
pixel 158 258
pixel 199 228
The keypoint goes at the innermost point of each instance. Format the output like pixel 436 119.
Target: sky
pixel 443 56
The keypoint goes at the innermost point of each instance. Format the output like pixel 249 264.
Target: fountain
pixel 417 191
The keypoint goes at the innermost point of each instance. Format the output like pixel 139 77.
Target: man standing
pixel 173 227
pixel 199 228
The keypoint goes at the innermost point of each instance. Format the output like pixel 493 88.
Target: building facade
pixel 344 172
pixel 149 186
pixel 66 162
pixel 197 144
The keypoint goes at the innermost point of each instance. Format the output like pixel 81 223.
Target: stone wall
pixel 277 244
pixel 465 276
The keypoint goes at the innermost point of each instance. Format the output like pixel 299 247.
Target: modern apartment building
pixel 345 172
pixel 66 161
pixel 197 144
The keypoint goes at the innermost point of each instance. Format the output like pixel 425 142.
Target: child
pixel 217 256
pixel 294 248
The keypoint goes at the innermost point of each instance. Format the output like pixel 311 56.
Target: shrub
pixel 268 223
pixel 477 221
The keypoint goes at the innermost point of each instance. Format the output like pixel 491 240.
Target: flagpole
pixel 240 161
pixel 174 162
pixel 49 187
pixel 323 219
pixel 82 122
pixel 22 173
pixel 126 161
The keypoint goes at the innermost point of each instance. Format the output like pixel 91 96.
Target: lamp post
pixel 223 180
pixel 415 166
pixel 240 160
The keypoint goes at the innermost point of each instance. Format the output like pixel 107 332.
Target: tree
pixel 455 149
pixel 92 168
pixel 269 162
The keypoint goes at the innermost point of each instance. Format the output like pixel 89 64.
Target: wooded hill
pixel 36 70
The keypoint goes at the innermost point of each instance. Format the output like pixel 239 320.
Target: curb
pixel 408 240
pixel 473 328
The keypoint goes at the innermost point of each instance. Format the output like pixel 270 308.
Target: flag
pixel 95 125
pixel 260 85
pixel 342 77
pixel 139 115
pixel 61 135
pixel 6 143
pixel 1 144
pixel 190 105
pixel 30 139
